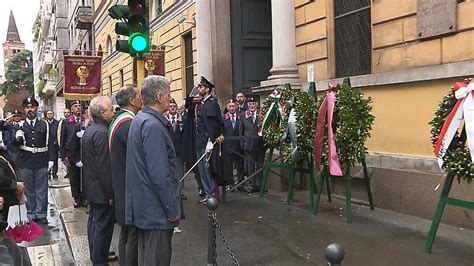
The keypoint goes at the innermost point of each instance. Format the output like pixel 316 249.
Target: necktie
pixel 173 122
pixel 32 123
pixel 232 120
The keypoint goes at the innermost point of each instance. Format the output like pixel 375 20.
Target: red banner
pixel 82 75
pixel 155 63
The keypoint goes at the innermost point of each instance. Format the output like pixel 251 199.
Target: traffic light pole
pixel 140 71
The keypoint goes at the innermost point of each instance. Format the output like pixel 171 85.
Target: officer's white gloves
pixel 20 135
pixel 209 146
pixel 79 134
pixel 79 164
pixel 50 165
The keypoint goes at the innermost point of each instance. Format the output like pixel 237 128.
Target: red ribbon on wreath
pixel 327 107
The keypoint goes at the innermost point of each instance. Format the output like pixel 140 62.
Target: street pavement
pixel 266 231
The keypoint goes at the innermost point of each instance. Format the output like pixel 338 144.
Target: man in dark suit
pixel 71 153
pixel 130 102
pixel 241 103
pixel 232 148
pixel 98 179
pixel 251 143
pixel 34 138
pixel 53 126
pixel 176 132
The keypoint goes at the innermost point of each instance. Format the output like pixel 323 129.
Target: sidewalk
pixel 264 231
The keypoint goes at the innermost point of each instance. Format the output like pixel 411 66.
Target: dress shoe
pixel 241 189
pixel 77 203
pixel 84 203
pixel 201 193
pixel 204 200
pixel 112 258
pixel 183 197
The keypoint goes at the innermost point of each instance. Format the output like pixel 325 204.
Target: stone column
pixel 284 68
pixel 203 39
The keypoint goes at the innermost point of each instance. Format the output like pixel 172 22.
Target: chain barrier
pixel 216 224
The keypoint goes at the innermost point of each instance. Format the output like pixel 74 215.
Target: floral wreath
pixel 351 124
pixel 275 127
pixel 455 160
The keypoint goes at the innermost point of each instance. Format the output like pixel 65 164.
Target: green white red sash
pixel 276 106
pixel 123 117
pixel 464 108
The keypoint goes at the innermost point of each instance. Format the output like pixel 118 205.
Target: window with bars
pixel 353 42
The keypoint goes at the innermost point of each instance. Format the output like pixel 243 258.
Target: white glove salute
pixel 79 164
pixel 20 134
pixel 50 165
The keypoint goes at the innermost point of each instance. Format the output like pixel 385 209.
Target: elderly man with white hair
pixel 98 179
pixel 152 196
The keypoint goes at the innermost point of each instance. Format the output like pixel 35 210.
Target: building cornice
pixel 170 13
pixel 445 71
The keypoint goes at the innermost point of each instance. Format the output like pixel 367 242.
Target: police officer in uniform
pixel 34 138
pixel 209 127
pixel 8 136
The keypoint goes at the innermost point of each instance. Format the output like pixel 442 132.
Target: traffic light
pixel 135 24
pixel 139 41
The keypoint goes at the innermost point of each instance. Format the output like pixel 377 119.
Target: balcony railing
pixel 83 18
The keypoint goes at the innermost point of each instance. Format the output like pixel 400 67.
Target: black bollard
pixel 212 204
pixel 335 254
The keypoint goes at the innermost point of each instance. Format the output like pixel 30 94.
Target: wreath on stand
pixel 456 159
pixel 276 131
pixel 352 123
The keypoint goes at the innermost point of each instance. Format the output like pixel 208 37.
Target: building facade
pixel 397 52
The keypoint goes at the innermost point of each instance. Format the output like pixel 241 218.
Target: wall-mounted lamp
pixel 183 19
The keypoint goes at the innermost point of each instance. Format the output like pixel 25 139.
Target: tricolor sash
pixel 276 106
pixel 123 117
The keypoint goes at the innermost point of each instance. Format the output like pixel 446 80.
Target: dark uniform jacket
pixel 177 133
pixel 249 129
pixel 68 131
pixel 36 136
pixel 188 147
pixel 152 190
pixel 210 125
pixel 53 127
pixel 96 162
pixel 8 136
pixel 118 157
pixel 231 146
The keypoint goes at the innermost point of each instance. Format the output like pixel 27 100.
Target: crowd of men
pixel 125 164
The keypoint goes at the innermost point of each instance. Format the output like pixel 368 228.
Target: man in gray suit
pixel 251 143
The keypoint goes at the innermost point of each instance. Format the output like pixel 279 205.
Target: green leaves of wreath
pixel 352 123
pixel 305 126
pixel 457 160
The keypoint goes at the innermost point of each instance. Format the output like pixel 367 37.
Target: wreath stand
pixel 347 180
pixel 291 177
pixel 443 201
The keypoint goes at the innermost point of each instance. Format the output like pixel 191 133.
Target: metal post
pixel 334 254
pixel 212 205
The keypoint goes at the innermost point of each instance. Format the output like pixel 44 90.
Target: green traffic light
pixel 138 43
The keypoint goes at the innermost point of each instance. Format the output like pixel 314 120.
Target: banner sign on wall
pixel 82 76
pixel 155 63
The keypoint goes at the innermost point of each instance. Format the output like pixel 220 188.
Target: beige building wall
pixel 402 110
pixel 170 37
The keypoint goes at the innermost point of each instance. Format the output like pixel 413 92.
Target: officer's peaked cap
pixel 30 100
pixel 206 83
pixel 16 112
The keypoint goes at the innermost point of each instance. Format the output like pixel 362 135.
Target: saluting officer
pixel 209 127
pixel 8 136
pixel 34 139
